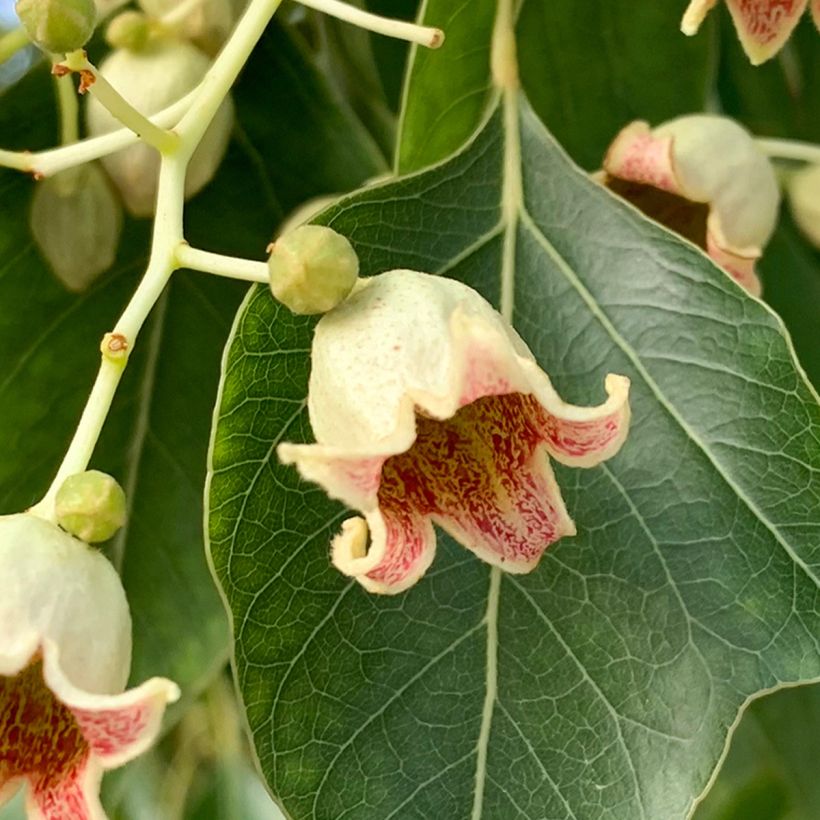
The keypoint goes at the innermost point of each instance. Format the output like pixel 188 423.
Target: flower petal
pixel 117 728
pixel 763 26
pixel 740 267
pixel 39 739
pixel 584 436
pixel 695 14
pixel 76 797
pixel 402 547
pixel 637 155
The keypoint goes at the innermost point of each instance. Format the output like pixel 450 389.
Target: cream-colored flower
pixel 65 653
pixel 763 26
pixel 704 177
pixel 428 409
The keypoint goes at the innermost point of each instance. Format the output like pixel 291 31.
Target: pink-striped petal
pixel 117 728
pixel 39 739
pixel 637 155
pixel 741 268
pixel 75 797
pixel 763 26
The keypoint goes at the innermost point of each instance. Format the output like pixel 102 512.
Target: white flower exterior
pixel 763 26
pixel 428 408
pixel 714 161
pixel 65 654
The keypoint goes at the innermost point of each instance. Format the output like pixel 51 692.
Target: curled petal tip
pixel 694 15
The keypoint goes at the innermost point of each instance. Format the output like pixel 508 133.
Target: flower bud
pixel 90 505
pixel 58 25
pixel 76 221
pixel 130 30
pixel 312 269
pixel 152 80
pixel 205 23
pixel 804 197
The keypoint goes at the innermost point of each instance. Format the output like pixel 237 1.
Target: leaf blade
pixel 651 636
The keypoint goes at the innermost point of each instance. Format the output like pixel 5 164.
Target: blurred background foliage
pixel 587 75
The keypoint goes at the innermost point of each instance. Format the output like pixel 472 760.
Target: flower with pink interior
pixel 65 653
pixel 428 408
pixel 763 26
pixel 704 177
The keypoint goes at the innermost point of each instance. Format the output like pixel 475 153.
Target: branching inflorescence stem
pixel 169 251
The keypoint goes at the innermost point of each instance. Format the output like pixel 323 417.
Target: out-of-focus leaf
pixel 791 279
pixel 391 54
pixel 586 72
pixel 771 769
pixel 589 72
pixel 778 98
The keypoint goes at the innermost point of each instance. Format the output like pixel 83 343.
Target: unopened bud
pixel 91 506
pixel 130 30
pixel 804 196
pixel 58 26
pixel 312 269
pixel 76 221
pixel 206 23
pixel 152 80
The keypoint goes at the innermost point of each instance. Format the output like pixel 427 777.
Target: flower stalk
pixel 91 80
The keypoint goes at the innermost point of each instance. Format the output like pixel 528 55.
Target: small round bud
pixel 91 506
pixel 130 30
pixel 59 26
pixel 312 269
pixel 76 221
pixel 804 196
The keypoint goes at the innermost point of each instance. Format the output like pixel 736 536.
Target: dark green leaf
pixel 625 657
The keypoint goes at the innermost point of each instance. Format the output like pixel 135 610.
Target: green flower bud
pixel 804 197
pixel 130 30
pixel 58 25
pixel 152 80
pixel 312 269
pixel 76 221
pixel 91 506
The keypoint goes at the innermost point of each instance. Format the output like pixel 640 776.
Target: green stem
pixel 248 270
pixel 11 42
pixel 69 110
pixel 160 138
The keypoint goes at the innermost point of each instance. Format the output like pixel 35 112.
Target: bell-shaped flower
pixel 704 177
pixel 428 408
pixel 65 653
pixel 763 26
